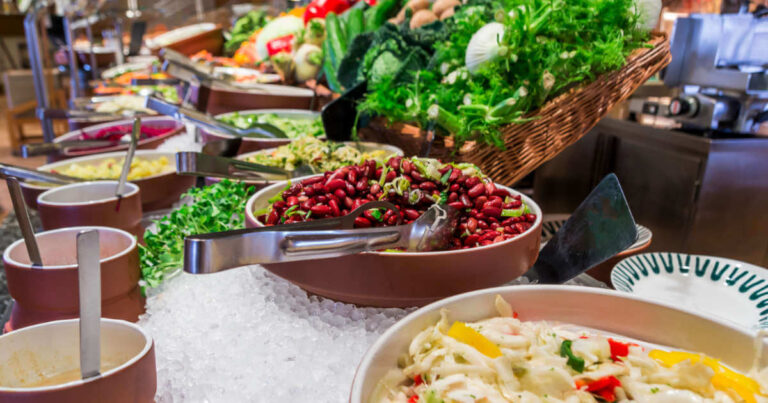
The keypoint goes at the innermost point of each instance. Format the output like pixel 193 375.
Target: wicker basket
pixel 562 122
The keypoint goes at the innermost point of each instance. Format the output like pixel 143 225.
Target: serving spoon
pixel 89 290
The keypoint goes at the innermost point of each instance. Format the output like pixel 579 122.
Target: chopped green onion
pixel 577 363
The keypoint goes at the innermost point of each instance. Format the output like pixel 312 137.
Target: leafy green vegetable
pixel 577 363
pixel 292 127
pixel 244 28
pixel 214 208
pixel 548 46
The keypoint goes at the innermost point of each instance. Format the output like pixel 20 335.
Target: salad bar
pixel 346 174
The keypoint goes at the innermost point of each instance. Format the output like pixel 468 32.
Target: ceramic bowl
pixel 251 144
pixel 172 126
pixel 598 309
pixel 601 272
pixel 363 146
pixel 189 39
pixel 725 288
pixel 405 279
pixel 223 99
pixel 51 292
pixel 91 203
pixel 157 191
pixel 28 355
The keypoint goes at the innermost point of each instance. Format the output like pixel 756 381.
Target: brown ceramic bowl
pixel 170 127
pixel 602 272
pixel 363 146
pixel 157 191
pixel 251 144
pixel 27 356
pixel 219 99
pixel 51 293
pixel 404 279
pixel 189 39
pixel 91 203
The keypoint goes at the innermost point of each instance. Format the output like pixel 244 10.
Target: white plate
pixel 728 289
pixel 632 317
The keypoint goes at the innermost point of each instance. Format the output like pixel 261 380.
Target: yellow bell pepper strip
pixel 465 334
pixel 725 379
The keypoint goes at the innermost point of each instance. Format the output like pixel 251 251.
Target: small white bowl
pixel 725 288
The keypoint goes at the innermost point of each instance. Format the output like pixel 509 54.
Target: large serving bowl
pixel 363 146
pixel 189 39
pixel 53 348
pixel 404 279
pixel 251 144
pixel 222 99
pixel 157 191
pixel 602 310
pixel 160 122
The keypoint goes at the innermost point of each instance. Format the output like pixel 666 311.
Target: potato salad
pixel 504 359
pixel 111 168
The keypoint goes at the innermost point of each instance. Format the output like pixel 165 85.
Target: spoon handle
pixel 89 286
pixel 22 215
pixel 129 156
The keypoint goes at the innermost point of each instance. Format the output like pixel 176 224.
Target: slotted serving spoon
pixel 211 253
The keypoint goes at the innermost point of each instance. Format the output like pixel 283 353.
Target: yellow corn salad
pixel 111 168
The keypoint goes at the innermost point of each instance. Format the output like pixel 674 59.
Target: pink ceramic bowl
pixel 158 191
pixel 251 144
pixel 404 279
pixel 50 292
pixel 30 355
pixel 92 203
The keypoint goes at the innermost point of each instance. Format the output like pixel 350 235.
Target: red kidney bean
pixel 375 188
pixel 513 204
pixel 472 225
pixel 362 185
pixel 493 203
pixel 369 215
pixel 334 208
pixel 377 172
pixel 341 194
pixel 279 204
pixel 480 201
pixel 461 180
pixel 471 182
pixel 309 190
pixel 457 205
pixel 307 204
pixel 455 173
pixel 362 222
pixel 351 189
pixel 292 201
pixel 476 190
pixel 454 187
pixel 462 227
pixel 501 192
pixel 367 172
pixel 464 199
pixel 452 197
pixel 471 240
pixel 411 214
pixel 486 242
pixel 498 239
pixel 344 212
pixel 312 180
pixel 320 210
pixel 490 188
pixel 394 163
pixel 493 225
pixel 491 211
pixel 417 177
pixel 352 176
pixel 391 175
pixel 444 169
pixel 407 167
pixel 272 218
pixel 392 220
pixel 428 186
pixel 370 197
pixel 530 217
pixel 334 184
pixel 349 203
pixel 520 227
pixel 491 198
pixel 510 230
pixel 320 188
pixel 321 198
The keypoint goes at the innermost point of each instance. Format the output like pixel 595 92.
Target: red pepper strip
pixel 619 349
pixel 413 399
pixel 417 380
pixel 606 394
pixel 515 315
pixel 603 387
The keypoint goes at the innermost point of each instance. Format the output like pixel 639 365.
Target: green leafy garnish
pixel 577 363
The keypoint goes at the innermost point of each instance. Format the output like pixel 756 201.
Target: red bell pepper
pixel 603 387
pixel 281 44
pixel 417 380
pixel 413 399
pixel 319 8
pixel 619 349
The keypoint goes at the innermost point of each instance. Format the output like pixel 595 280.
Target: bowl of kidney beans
pixel 154 131
pixel 496 241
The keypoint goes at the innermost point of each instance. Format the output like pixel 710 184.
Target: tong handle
pixel 7 170
pixel 34 149
pixel 199 164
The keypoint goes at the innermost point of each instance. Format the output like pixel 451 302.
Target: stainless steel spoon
pixel 89 288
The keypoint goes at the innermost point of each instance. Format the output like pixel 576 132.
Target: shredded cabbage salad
pixel 293 127
pixel 504 359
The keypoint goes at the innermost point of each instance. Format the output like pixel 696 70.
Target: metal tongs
pixel 205 121
pixel 35 175
pixel 211 253
pixel 34 149
pixel 199 164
